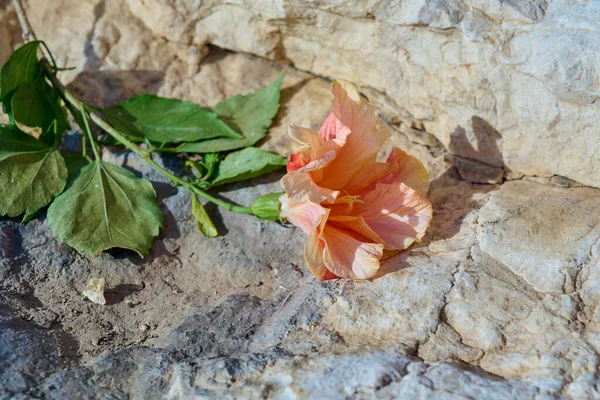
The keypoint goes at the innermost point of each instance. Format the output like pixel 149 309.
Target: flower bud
pixel 267 206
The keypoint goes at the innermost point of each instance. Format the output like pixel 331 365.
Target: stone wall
pixel 521 74
pixel 528 68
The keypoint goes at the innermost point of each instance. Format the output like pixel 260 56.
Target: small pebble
pixel 95 290
pixel 144 327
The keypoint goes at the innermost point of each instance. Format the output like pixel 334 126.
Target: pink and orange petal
pixel 351 206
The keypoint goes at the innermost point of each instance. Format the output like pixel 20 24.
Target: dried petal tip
pixel 95 290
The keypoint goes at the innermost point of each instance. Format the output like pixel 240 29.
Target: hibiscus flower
pixel 351 206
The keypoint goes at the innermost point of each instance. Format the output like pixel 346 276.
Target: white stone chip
pixel 95 290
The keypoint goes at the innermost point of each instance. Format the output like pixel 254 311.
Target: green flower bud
pixel 267 206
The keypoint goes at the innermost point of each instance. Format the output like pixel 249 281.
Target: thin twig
pixel 27 31
pixel 28 34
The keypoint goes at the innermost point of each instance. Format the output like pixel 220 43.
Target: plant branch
pixel 173 178
pixel 70 99
pixel 74 105
pixel 27 32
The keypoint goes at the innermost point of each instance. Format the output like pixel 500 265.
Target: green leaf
pixel 21 68
pixel 205 224
pixel 223 144
pixel 107 206
pixel 247 164
pixel 250 114
pixel 31 173
pixel 29 217
pixel 36 109
pixel 163 120
pixel 75 163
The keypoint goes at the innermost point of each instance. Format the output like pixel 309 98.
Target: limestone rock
pixel 529 69
pixel 29 353
pixel 477 172
pixel 546 235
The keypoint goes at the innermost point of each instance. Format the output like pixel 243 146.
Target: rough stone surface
pixel 528 68
pixel 501 300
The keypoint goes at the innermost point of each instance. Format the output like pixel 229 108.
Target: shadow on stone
pixel 109 88
pixel 170 230
pixel 478 167
pixel 287 94
pixel 124 254
pixel 217 218
pixel 29 353
pixel 117 294
pixel 92 61
pixel 393 263
pixel 477 153
pixel 215 55
pixel 11 241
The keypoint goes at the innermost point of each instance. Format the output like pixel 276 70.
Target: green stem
pixel 79 120
pixel 54 66
pixel 165 149
pixel 88 133
pixel 84 145
pixel 173 178
pixel 69 98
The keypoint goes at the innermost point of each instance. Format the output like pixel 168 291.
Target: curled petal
pixel 344 91
pixel 305 136
pixel 409 171
pixel 359 116
pixel 367 134
pixel 315 147
pixel 300 185
pixel 306 216
pixel 298 159
pixel 358 225
pixel 311 218
pixel 313 255
pixel 333 128
pixel 399 214
pixel 305 189
pixel 305 154
pixel 349 255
